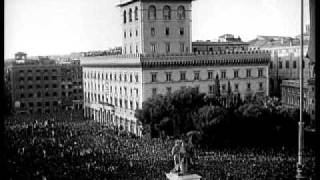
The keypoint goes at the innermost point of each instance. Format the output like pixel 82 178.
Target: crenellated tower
pixel 156 26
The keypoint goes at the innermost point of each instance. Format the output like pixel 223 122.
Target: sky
pixel 51 27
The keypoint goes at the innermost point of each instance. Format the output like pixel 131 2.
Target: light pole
pixel 300 163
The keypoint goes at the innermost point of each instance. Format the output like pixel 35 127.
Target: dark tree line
pixel 219 120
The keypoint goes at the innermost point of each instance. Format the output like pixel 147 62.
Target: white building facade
pixel 116 86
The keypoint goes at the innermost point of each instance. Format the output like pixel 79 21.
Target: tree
pixel 171 114
pixel 208 121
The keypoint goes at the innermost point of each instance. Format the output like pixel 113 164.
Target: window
pixel 181 47
pixel 210 74
pixel 136 13
pixel 223 87
pixel 30 78
pixel 181 13
pixel 260 72
pixel 167 47
pixel 152 15
pixel 248 72
pixel 169 90
pixel 210 89
pixel 196 75
pixel 21 79
pixel 153 31
pixel 154 91
pixel 248 86
pixel 236 87
pixel 39 94
pixel 22 95
pixel 30 87
pixel 137 78
pixel 287 64
pixel 38 86
pixel 182 31
pixel 38 78
pixel 223 74
pixel 137 49
pixel 182 76
pixel 303 64
pixel 168 76
pixel 280 64
pixel 130 15
pixel 54 86
pixel 153 48
pixel 124 34
pixel 136 32
pixel 167 31
pixel 46 78
pixel 54 77
pixel 236 73
pixel 166 13
pixel 131 78
pixel 271 65
pixel 260 86
pixel 130 34
pixel 30 104
pixel 294 64
pixel 153 77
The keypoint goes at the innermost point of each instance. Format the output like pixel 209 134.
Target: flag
pixel 311 47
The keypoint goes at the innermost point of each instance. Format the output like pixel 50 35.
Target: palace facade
pixel 157 58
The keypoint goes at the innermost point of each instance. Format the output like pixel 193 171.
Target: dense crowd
pixel 53 148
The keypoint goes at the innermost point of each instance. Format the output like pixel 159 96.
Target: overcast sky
pixel 46 27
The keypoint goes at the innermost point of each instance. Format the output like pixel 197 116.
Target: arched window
pixel 166 13
pixel 130 15
pixel 124 16
pixel 136 13
pixel 152 14
pixel 181 13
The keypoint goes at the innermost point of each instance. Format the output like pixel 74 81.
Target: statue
pixel 184 158
pixel 182 154
pixel 180 157
pixel 176 156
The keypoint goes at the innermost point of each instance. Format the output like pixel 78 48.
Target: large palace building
pixel 157 58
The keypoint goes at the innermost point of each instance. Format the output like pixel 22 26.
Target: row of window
pixel 223 75
pixel 37 70
pixel 130 15
pixel 38 78
pixel 117 102
pixel 287 64
pixel 114 89
pixel 167 45
pixel 212 87
pixel 38 86
pixel 152 13
pixel 166 12
pixel 38 94
pixel 112 76
pixel 153 32
pixel 39 104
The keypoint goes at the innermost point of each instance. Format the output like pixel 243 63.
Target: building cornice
pixel 178 60
pixel 127 2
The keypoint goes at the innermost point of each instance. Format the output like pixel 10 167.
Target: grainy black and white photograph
pixel 160 90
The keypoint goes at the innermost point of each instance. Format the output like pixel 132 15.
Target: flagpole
pixel 300 163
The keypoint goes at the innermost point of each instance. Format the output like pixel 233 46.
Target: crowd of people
pixel 49 147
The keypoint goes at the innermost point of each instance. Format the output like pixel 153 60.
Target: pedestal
pixel 175 176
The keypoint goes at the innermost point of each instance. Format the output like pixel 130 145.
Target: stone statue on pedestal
pixel 181 153
pixel 180 157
